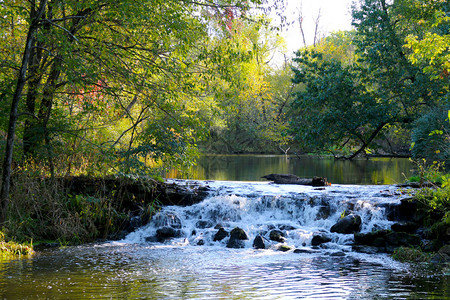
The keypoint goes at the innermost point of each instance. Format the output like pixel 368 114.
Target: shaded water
pixel 139 267
pixel 252 167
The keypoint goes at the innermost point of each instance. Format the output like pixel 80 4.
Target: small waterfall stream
pixel 176 255
pixel 296 212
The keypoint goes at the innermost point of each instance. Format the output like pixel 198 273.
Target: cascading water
pixel 178 255
pixel 298 213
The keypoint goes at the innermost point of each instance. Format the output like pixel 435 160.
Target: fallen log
pixel 293 179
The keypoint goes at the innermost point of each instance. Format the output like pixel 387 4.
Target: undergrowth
pixel 44 209
pixel 405 254
pixel 11 249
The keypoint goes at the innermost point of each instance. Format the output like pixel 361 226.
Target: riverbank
pixel 78 210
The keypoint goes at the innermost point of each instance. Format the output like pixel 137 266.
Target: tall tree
pixel 35 16
pixel 380 87
pixel 119 76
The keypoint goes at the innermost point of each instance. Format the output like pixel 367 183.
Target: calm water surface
pixel 252 167
pixel 154 272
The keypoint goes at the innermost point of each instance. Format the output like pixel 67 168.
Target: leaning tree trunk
pixel 6 176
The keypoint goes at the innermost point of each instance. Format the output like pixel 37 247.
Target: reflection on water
pixel 159 272
pixel 252 167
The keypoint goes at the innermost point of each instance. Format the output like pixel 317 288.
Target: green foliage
pixel 436 201
pixel 112 86
pixel 338 107
pixel 431 173
pixel 250 109
pixel 431 135
pixel 363 87
pixel 429 43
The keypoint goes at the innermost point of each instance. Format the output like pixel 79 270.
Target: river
pixel 252 167
pixel 194 265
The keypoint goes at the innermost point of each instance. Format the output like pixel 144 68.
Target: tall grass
pixel 43 209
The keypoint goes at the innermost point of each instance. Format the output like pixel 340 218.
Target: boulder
pixel 371 238
pixel 258 242
pixel 277 236
pixel 237 237
pixel 386 240
pixel 293 179
pixel 238 233
pixel 397 239
pixel 283 248
pixel 167 219
pixel 165 233
pixel 235 243
pixel 408 227
pixel 405 211
pixel 319 239
pixel 220 235
pixel 347 225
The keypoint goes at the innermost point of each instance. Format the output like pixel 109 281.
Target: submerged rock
pixel 167 219
pixel 365 249
pixel 348 224
pixel 307 251
pixel 220 235
pixel 235 243
pixel 319 239
pixel 258 242
pixel 237 237
pixel 338 253
pixel 283 248
pixel 287 227
pixel 277 236
pixel 202 224
pixel 166 232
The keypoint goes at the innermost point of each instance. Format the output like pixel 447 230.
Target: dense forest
pixel 137 87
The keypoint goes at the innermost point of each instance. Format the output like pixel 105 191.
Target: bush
pixel 431 135
pixel 436 201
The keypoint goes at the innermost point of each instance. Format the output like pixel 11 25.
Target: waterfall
pixel 297 213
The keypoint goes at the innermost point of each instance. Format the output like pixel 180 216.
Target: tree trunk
pixel 6 176
pixel 34 75
pixel 367 143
